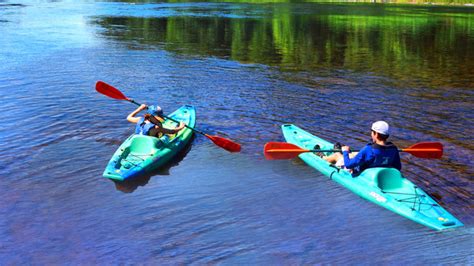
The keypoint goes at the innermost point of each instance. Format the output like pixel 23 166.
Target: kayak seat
pixel 389 179
pixel 143 145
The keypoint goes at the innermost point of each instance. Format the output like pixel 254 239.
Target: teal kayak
pixel 383 186
pixel 141 154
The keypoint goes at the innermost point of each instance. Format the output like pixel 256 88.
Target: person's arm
pixel 174 130
pixel 359 159
pixel 131 117
pixel 165 130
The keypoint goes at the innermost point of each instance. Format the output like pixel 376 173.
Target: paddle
pixel 114 93
pixel 284 150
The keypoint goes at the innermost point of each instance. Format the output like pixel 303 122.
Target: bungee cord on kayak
pixel 416 199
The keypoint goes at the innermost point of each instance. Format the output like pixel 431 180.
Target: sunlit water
pixel 247 68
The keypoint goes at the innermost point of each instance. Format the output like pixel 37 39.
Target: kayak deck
pixel 383 186
pixel 140 154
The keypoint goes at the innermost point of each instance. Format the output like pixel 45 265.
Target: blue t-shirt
pixel 143 128
pixel 373 155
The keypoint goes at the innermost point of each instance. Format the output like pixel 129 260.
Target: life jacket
pixel 142 128
pixel 384 155
pixel 380 156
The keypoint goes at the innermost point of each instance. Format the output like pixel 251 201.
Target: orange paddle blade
pixel 109 90
pixel 224 143
pixel 427 150
pixel 281 150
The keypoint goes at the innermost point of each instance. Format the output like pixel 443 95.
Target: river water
pixel 331 69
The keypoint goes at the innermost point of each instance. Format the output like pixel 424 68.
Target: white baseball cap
pixel 381 127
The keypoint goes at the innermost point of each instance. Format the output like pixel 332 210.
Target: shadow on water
pixel 5 7
pixel 11 5
pixel 129 186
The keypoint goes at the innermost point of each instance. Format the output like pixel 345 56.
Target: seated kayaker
pixel 379 153
pixel 145 127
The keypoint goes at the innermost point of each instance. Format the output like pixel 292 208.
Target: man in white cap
pixel 379 153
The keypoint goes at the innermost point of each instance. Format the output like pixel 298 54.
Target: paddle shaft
pixel 285 150
pixel 300 150
pixel 303 151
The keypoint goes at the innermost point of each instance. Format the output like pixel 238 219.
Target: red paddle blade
pixel 427 150
pixel 281 150
pixel 272 145
pixel 224 143
pixel 110 91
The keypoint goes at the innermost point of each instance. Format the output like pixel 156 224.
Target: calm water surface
pixel 248 68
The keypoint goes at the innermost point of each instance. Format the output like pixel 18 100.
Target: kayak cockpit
pixel 141 147
pixel 143 144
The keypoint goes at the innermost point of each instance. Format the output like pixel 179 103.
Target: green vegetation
pixel 435 44
pixel 419 2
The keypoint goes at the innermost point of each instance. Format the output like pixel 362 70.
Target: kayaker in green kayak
pixel 145 127
pixel 379 153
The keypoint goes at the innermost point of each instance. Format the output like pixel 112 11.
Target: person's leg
pixel 340 160
pixel 333 158
pixel 155 132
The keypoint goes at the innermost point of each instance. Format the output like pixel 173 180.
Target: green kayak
pixel 141 154
pixel 383 186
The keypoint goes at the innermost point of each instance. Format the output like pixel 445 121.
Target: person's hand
pixel 181 125
pixel 345 148
pixel 143 107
